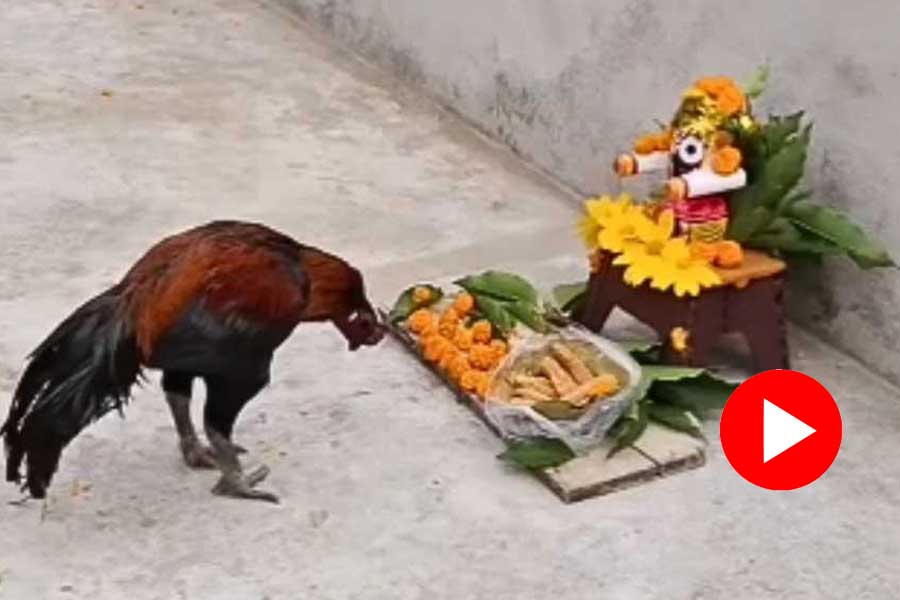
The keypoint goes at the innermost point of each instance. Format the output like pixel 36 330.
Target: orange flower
pixel 463 338
pixel 448 323
pixel 729 254
pixel 458 366
pixel 653 142
pixel 464 304
pixel 499 349
pixel 645 144
pixel 450 354
pixel 728 97
pixel 469 380
pixel 421 295
pixel 421 320
pixel 481 356
pixel 434 348
pixel 483 385
pixel 704 250
pixel 726 160
pixel 482 331
pixel 664 141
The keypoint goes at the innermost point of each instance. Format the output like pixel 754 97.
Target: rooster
pixel 210 303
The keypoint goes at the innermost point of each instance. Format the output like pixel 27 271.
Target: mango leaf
pixel 670 372
pixel 837 229
pixel 537 453
pixel 500 285
pixel 638 346
pixel 779 129
pixel 567 296
pixel 651 374
pixel 675 418
pixel 629 428
pixel 757 85
pixel 782 171
pixel 783 235
pixel 700 394
pixel 495 312
pixel 747 217
pixel 405 304
pixel 755 206
pixel 529 314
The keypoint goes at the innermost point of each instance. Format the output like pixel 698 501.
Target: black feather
pixel 84 369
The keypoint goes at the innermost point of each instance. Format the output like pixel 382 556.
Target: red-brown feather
pixel 233 268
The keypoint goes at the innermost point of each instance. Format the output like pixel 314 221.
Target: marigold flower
pixel 448 323
pixel 726 160
pixel 421 320
pixel 482 331
pixel 481 356
pixel 499 349
pixel 464 338
pixel 470 379
pixel 679 337
pixel 729 254
pixel 463 304
pixel 434 348
pixel 483 385
pixel 422 295
pixel 459 365
pixel 450 353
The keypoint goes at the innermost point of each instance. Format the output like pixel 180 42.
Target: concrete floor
pixel 122 122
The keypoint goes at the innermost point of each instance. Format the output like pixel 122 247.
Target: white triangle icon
pixel 781 431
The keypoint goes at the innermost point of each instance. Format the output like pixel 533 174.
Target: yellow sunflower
pixel 665 262
pixel 602 213
pixel 643 254
pixel 683 271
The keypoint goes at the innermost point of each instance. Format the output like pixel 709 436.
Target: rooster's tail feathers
pixel 84 369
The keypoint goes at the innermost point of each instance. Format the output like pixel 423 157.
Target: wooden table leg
pixel 757 312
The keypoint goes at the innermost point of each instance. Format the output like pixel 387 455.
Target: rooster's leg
pixel 177 387
pixel 224 401
pixel 196 455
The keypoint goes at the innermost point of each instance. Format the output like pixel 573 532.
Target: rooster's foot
pixel 237 485
pixel 198 456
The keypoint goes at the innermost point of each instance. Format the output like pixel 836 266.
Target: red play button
pixel 781 430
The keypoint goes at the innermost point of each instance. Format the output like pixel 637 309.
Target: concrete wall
pixel 567 83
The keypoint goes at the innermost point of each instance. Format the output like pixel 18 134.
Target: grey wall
pixel 568 83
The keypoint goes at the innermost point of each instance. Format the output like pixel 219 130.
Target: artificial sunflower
pixel 683 271
pixel 599 213
pixel 665 262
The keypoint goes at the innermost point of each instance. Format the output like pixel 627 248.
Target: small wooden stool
pixel 750 301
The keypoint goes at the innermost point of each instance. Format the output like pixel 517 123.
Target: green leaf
pixel 651 374
pixel 639 346
pixel 756 205
pixel 755 88
pixel 500 285
pixel 782 171
pixel 675 418
pixel 405 305
pixel 537 453
pixel 567 296
pixel 700 395
pixel 747 218
pixel 836 228
pixel 783 235
pixel 779 129
pixel 495 312
pixel 529 314
pixel 671 373
pixel 629 428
